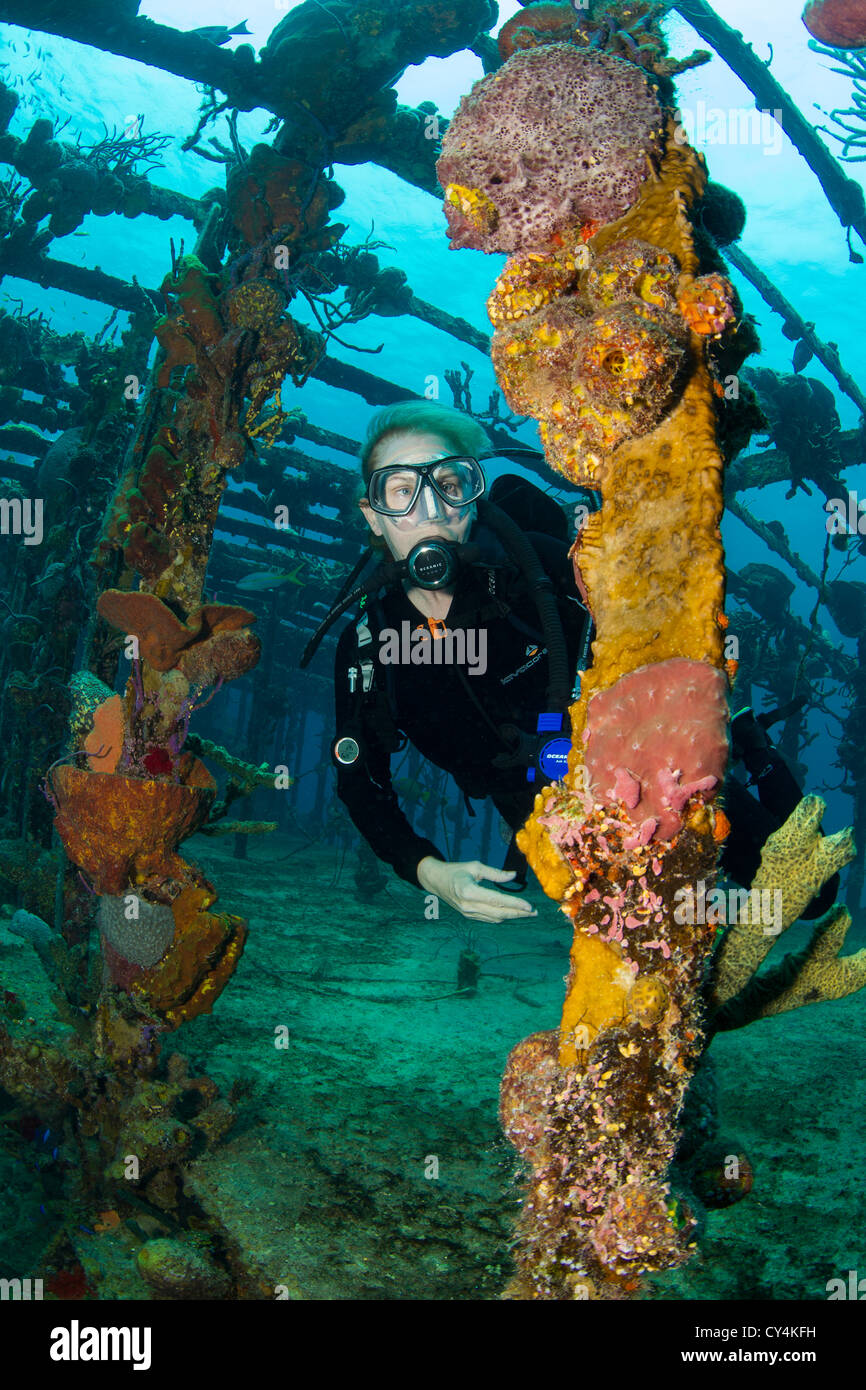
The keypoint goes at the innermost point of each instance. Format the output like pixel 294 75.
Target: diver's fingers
pixel 479 870
pixel 505 914
pixel 475 897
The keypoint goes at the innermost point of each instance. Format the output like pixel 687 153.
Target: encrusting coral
pixel 127 792
pixel 623 29
pixel 568 159
pixel 599 358
pixel 227 345
pixel 231 345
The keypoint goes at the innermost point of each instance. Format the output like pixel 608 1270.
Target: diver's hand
pixel 459 885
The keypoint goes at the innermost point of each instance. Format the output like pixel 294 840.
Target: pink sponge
pixel 556 136
pixel 656 737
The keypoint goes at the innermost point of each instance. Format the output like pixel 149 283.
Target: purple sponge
pixel 556 136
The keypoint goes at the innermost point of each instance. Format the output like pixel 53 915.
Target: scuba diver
pixel 470 632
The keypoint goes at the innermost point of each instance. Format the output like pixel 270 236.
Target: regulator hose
pixel 560 680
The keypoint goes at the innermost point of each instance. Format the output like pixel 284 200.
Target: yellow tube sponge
pixel 797 860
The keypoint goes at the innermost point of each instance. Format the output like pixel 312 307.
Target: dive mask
pixel 455 482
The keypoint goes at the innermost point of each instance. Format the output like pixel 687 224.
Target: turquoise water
pixel 323 1185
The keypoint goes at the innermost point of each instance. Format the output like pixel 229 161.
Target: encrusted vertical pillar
pixel 568 158
pixel 227 346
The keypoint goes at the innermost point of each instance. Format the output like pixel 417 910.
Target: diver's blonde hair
pixel 460 432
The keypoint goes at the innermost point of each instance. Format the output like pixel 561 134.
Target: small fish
pixel 261 582
pixel 220 33
pixel 265 580
pixel 45 1135
pixel 293 576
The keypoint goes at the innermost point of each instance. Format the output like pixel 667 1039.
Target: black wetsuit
pixel 447 713
pixel 452 716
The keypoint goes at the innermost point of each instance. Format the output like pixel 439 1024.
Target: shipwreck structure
pixel 616 323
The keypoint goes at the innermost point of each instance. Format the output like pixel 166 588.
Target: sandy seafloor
pixel 322 1181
